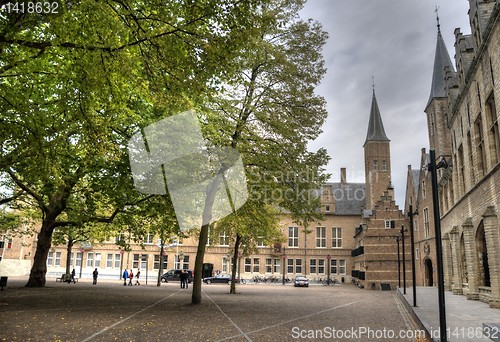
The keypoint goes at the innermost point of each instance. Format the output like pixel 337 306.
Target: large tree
pixel 75 85
pixel 268 111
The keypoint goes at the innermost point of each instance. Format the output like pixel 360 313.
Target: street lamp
pixel 81 261
pixel 284 262
pixel 404 258
pixel 399 262
pixel 432 167
pixel 328 259
pixel 412 239
pixel 121 263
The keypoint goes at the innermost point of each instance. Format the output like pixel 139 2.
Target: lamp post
pixel 328 260
pixel 284 269
pixel 412 240
pixel 432 167
pixel 239 267
pixel 121 263
pixel 81 262
pixel 399 262
pixel 404 258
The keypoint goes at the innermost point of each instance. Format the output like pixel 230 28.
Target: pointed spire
pixel 441 60
pixel 376 130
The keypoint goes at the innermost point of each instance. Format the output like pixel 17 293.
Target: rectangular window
pixel 427 229
pixel 389 224
pixel 327 208
pixel 90 259
pixel 50 259
pixel 480 148
pixel 58 259
pixel 185 263
pixel 298 266
pixel 156 264
pixel 248 265
pixel 97 262
pixel 471 160
pixel 118 259
pixel 321 266
pixel 149 239
pixel 109 260
pixel 320 237
pixel 289 268
pixel 342 266
pixel 78 259
pixel 260 242
pixel 461 168
pixel 135 263
pixel 119 239
pixel 333 267
pixel 293 236
pixel 384 165
pixel 277 264
pixel 225 264
pixel 416 253
pixel 223 238
pixel 269 264
pixel 336 237
pixel 312 266
pixel 256 265
pixel 493 132
pixel 375 165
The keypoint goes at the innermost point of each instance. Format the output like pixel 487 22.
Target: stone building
pixel 376 259
pixel 462 116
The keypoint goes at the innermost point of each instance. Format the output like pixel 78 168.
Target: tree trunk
pixel 160 269
pixel 39 268
pixel 68 257
pixel 235 263
pixel 198 266
pixel 212 188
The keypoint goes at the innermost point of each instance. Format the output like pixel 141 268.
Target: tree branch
pixel 29 191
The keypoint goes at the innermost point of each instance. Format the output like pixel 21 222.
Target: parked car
pixel 174 275
pixel 220 279
pixel 301 281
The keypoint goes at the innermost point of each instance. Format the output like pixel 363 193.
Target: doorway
pixel 429 277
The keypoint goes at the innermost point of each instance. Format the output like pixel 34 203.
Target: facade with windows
pixel 462 116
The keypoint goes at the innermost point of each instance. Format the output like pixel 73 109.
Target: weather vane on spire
pixel 437 19
pixel 373 84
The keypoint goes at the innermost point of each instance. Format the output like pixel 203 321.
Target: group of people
pixel 73 273
pixel 130 277
pixel 184 276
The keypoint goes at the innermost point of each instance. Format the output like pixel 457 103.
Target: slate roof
pixel 376 130
pixel 441 60
pixel 349 197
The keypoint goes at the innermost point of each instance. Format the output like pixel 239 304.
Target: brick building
pixel 376 259
pixel 462 116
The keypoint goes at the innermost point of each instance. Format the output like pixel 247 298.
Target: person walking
pixel 125 277
pixel 73 273
pixel 94 276
pixel 137 277
pixel 130 277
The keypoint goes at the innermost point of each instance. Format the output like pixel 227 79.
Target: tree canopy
pixel 75 85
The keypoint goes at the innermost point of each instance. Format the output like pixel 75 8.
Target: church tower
pixel 377 158
pixel 443 79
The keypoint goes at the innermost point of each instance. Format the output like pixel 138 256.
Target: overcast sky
pixel 394 41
